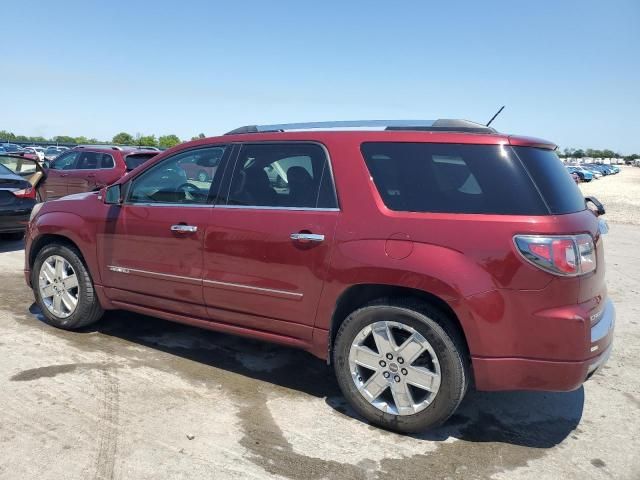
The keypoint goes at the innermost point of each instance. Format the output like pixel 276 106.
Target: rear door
pixel 58 175
pixel 267 246
pixel 93 170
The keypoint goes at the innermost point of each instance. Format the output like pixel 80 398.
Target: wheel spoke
pixel 365 356
pixel 374 386
pixel 69 301
pixel 57 303
pixel 402 398
pixel 48 271
pixel 411 349
pixel 59 267
pixel 47 291
pixel 422 378
pixel 71 281
pixel 382 336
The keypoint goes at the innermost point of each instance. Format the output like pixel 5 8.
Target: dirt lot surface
pixel 140 398
pixel 619 193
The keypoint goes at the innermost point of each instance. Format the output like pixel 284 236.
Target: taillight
pixel 29 192
pixel 568 255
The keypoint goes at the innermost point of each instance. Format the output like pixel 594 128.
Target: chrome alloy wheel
pixel 394 368
pixel 58 285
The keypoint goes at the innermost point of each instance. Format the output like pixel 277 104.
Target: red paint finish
pixel 241 272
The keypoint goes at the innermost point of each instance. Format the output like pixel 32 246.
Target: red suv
pixel 413 257
pixel 87 168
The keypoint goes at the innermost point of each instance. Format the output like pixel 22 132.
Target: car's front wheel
pixel 63 288
pixel 401 365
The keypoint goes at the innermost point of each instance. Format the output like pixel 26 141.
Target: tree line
pixel 122 138
pixel 592 153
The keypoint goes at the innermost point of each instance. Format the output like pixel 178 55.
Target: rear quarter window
pixel 452 178
pixel 559 190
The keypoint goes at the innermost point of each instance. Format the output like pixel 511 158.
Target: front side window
pixel 451 178
pixel 65 162
pixel 168 182
pixel 295 175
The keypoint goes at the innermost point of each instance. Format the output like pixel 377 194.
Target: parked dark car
pixel 412 259
pixel 17 198
pixel 88 168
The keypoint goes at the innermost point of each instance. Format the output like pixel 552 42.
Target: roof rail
pixel 441 125
pixel 112 147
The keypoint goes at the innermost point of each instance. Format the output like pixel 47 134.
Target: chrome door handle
pixel 184 228
pixel 307 237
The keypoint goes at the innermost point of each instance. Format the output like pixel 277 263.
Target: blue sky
pixel 568 71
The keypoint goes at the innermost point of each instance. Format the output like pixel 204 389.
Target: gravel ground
pixel 140 398
pixel 619 193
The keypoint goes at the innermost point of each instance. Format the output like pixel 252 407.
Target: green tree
pixel 147 141
pixel 64 139
pixel 200 136
pixel 6 136
pixel 82 140
pixel 123 138
pixel 168 141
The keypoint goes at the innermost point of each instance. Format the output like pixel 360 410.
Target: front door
pixel 152 245
pixel 268 243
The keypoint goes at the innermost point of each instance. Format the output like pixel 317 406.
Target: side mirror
pixel 595 202
pixel 113 195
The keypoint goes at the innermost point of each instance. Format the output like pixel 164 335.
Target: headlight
pixel 34 211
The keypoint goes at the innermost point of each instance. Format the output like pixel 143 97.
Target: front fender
pixel 72 227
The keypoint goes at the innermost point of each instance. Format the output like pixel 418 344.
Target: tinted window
pixel 451 178
pixel 135 160
pixel 64 162
pixel 94 160
pixel 282 175
pixel 168 182
pixel 107 161
pixel 557 187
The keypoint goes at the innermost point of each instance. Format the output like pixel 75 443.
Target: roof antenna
pixel 494 117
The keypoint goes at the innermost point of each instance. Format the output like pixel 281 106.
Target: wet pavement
pixel 134 397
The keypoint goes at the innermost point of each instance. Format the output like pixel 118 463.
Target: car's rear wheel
pixel 401 365
pixel 63 288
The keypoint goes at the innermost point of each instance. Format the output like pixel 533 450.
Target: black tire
pixel 88 309
pixel 445 340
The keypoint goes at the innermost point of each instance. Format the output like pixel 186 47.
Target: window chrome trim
pixel 159 204
pixel 262 207
pixel 134 271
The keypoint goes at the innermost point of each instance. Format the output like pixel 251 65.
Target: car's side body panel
pixel 242 273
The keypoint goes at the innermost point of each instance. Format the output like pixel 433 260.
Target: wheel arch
pixel 359 295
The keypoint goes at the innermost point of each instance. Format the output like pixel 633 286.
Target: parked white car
pixel 38 151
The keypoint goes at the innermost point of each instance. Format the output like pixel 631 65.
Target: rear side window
pixel 560 192
pixel 135 160
pixel 295 175
pixel 451 178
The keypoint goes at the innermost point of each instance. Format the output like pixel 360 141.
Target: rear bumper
pixel 548 375
pixel 14 221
